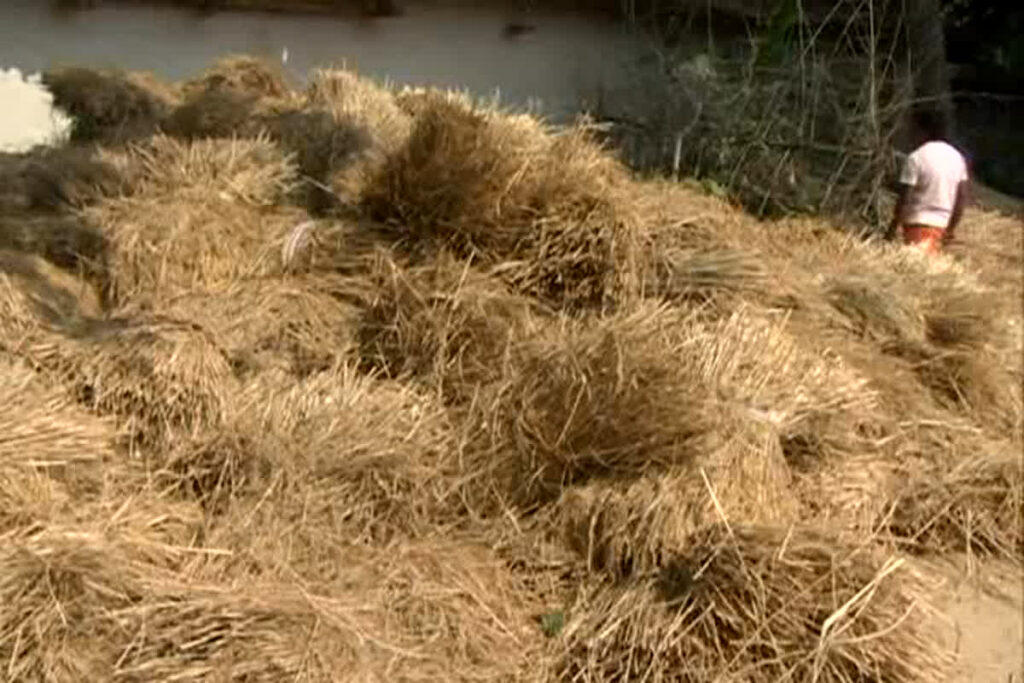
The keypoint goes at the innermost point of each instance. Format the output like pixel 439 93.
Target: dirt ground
pixel 987 626
pixel 986 605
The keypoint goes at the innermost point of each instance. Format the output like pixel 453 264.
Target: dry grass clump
pixel 79 605
pixel 610 397
pixel 115 598
pixel 345 130
pixel 215 114
pixel 243 75
pixel 443 322
pixel 201 214
pixel 166 247
pixel 974 503
pixel 938 317
pixel 855 492
pixel 332 155
pixel 700 276
pixel 878 308
pixel 632 529
pixel 460 613
pixel 36 297
pixel 236 96
pixel 69 178
pixel 250 171
pixel 108 106
pixel 760 604
pixel 292 323
pixel 970 360
pixel 39 430
pixel 64 240
pixel 821 407
pixel 50 451
pixel 369 105
pixel 505 190
pixel 335 457
pixel 162 379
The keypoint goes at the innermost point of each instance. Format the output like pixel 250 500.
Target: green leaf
pixel 552 623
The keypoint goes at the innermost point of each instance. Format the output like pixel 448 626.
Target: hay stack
pixel 581 401
pixel 109 106
pixel 336 457
pixel 161 378
pixel 36 297
pixel 69 178
pixel 77 606
pixel 757 604
pixel 444 323
pixel 240 74
pixel 163 249
pixel 630 529
pixel 253 172
pixel 548 208
pixel 877 306
pixel 458 610
pixel 367 126
pixel 49 451
pixel 197 217
pixel 435 612
pixel 973 503
pixel 332 155
pixel 820 405
pixel 234 97
pixel 369 105
pixel 294 323
pixel 64 240
pixel 39 430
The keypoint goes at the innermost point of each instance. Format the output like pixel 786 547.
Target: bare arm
pixel 898 213
pixel 962 197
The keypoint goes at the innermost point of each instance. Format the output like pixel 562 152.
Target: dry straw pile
pixel 361 384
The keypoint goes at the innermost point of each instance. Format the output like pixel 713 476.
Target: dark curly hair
pixel 930 123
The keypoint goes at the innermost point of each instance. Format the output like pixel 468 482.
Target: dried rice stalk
pixel 36 295
pixel 550 210
pixel 163 246
pixel 241 74
pixel 38 429
pixel 578 402
pixel 249 171
pixel 758 604
pixel 359 99
pixel 336 455
pixel 974 504
pixel 633 528
pixel 80 607
pixel 445 323
pixel 161 378
pixel 295 322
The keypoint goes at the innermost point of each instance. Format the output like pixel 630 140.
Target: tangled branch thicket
pixel 799 117
pixel 497 411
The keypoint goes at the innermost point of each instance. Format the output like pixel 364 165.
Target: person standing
pixel 933 188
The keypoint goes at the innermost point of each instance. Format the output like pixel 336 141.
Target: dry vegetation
pixel 481 407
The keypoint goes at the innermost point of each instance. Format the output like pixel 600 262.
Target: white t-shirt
pixel 935 171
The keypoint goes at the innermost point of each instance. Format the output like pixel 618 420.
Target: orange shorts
pixel 927 237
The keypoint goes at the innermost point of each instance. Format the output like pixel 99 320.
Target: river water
pixel 566 60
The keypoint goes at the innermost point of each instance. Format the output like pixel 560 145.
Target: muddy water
pixel 563 60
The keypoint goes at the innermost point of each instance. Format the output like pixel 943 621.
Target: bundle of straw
pixel 445 323
pixel 549 209
pixel 292 322
pixel 160 378
pixel 583 401
pixel 760 604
